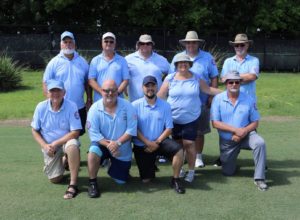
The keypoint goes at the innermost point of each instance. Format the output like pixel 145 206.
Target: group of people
pixel 168 111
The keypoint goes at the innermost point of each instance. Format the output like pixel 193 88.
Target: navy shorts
pixel 185 131
pixel 146 161
pixel 118 170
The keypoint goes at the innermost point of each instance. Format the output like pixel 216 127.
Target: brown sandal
pixel 70 194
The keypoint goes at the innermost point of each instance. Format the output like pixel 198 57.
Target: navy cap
pixel 149 79
pixel 67 34
pixel 54 84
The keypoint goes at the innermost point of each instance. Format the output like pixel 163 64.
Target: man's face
pixel 241 49
pixel 67 43
pixel 233 85
pixel 150 90
pixel 109 94
pixel 108 44
pixel 145 48
pixel 56 96
pixel 191 47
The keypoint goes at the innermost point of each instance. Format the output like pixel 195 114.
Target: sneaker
pixel 190 176
pixel 162 159
pixel 177 186
pixel 261 185
pixel 199 161
pixel 218 163
pixel 93 190
pixel 182 173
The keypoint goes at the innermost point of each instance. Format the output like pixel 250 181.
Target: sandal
pixel 71 194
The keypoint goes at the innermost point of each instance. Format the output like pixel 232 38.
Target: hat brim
pixel 233 78
pixel 232 43
pixel 182 41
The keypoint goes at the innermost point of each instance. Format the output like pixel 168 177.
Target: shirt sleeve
pixel 215 109
pixel 93 125
pixel 212 68
pixel 75 122
pixel 49 71
pixel 255 66
pixel 132 121
pixel 93 69
pixel 169 120
pixel 125 70
pixel 254 114
pixel 225 68
pixel 36 123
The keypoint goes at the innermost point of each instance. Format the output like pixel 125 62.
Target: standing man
pixel 55 127
pixel 108 65
pixel 144 62
pixel 154 128
pixel 112 122
pixel 242 62
pixel 72 70
pixel 235 115
pixel 203 66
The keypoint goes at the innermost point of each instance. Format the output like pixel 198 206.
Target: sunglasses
pixel 234 82
pixel 107 91
pixel 148 44
pixel 109 41
pixel 239 45
pixel 191 42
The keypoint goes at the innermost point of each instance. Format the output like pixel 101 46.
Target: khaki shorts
pixel 54 165
pixel 203 126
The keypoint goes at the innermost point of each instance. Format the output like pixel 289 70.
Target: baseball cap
pixel 108 34
pixel 67 34
pixel 55 84
pixel 149 79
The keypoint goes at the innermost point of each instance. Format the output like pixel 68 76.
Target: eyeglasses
pixel 234 82
pixel 107 91
pixel 239 45
pixel 109 41
pixel 148 44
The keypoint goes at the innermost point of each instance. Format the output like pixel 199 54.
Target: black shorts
pixel 82 114
pixel 146 161
pixel 185 131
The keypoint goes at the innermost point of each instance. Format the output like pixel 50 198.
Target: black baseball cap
pixel 149 79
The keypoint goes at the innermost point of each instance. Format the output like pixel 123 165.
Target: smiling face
pixel 56 96
pixel 241 49
pixel 109 92
pixel 183 66
pixel 150 90
pixel 233 85
pixel 108 44
pixel 67 45
pixel 191 47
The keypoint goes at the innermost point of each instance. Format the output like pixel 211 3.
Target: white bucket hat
pixel 145 38
pixel 240 39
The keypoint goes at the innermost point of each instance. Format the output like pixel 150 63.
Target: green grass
pixel 27 194
pixel 278 94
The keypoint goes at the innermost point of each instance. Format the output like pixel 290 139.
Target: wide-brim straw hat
pixel 191 36
pixel 183 58
pixel 240 39
pixel 145 38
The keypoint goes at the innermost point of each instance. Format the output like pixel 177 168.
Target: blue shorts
pixel 118 170
pixel 185 131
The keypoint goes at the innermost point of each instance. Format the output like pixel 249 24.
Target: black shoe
pixel 218 162
pixel 93 190
pixel 177 186
pixel 156 169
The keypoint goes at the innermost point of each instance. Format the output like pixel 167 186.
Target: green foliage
pixel 10 73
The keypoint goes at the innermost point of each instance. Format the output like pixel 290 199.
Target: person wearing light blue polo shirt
pixel 154 127
pixel 242 62
pixel 108 65
pixel 72 69
pixel 236 117
pixel 142 63
pixel 205 67
pixel 111 123
pixel 55 127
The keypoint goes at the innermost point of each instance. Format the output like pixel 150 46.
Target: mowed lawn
pixel 25 192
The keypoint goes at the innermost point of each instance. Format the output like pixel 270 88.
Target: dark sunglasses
pixel 109 41
pixel 234 82
pixel 107 91
pixel 148 44
pixel 191 42
pixel 239 45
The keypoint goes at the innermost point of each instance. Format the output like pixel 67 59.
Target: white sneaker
pixel 199 161
pixel 190 176
pixel 261 185
pixel 182 173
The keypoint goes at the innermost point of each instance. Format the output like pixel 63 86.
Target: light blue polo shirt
pixel 156 65
pixel 101 70
pixel 74 74
pixel 101 125
pixel 204 66
pixel 54 125
pixel 239 115
pixel 152 120
pixel 184 99
pixel 249 65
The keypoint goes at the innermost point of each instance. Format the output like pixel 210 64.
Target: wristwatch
pixel 119 143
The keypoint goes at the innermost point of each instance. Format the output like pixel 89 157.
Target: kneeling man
pixel 55 127
pixel 154 127
pixel 235 115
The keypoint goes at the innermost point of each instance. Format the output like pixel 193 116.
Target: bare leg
pixel 177 163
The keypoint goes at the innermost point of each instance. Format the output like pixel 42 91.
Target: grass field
pixel 25 192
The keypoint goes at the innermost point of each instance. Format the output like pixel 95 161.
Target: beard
pixel 68 51
pixel 151 96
